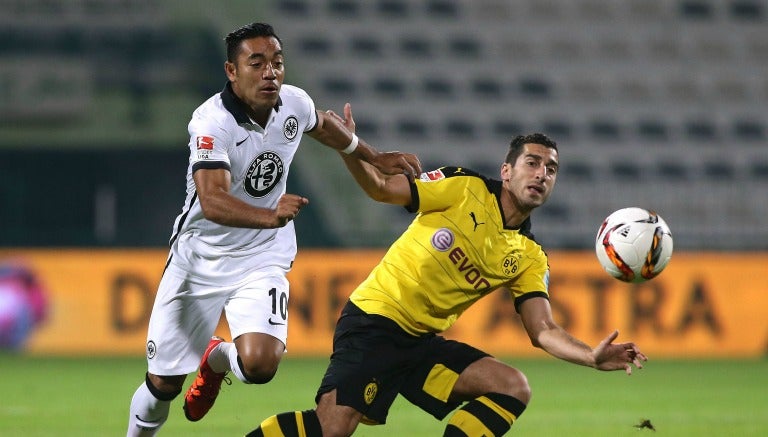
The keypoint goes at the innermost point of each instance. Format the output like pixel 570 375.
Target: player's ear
pixel 230 69
pixel 504 172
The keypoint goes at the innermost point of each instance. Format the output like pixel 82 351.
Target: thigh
pixel 184 317
pixel 430 385
pixel 371 359
pixel 260 305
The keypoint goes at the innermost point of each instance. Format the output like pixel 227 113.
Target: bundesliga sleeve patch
pixel 434 175
pixel 204 143
pixel 204 147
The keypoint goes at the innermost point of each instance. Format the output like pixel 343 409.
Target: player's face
pixel 531 178
pixel 258 73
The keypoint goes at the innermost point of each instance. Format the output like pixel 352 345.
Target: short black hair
pixel 253 30
pixel 517 143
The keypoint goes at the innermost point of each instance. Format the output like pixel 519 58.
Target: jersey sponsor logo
pixel 434 175
pixel 204 142
pixel 151 349
pixel 465 267
pixel 263 174
pixel 290 128
pixel 442 239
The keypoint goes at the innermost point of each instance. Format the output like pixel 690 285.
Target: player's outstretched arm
pixel 377 184
pixel 338 133
pixel 544 333
pixel 393 189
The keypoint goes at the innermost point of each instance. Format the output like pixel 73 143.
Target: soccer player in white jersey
pixel 234 241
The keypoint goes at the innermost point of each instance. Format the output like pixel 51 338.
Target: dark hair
pixel 517 143
pixel 253 30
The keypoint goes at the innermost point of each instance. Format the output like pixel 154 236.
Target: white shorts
pixel 186 313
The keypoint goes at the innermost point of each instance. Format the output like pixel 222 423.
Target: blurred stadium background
pixel 655 103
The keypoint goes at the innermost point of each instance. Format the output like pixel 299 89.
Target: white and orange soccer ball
pixel 633 244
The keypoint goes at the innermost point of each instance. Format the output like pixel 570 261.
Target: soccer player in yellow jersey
pixel 471 236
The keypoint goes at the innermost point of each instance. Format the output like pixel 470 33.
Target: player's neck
pixel 513 213
pixel 260 117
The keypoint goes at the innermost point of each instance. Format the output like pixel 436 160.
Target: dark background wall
pixel 119 197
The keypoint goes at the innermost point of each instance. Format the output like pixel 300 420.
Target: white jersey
pixel 223 136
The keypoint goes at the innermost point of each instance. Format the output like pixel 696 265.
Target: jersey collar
pixel 236 107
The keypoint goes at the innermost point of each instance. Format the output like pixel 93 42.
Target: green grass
pixel 89 397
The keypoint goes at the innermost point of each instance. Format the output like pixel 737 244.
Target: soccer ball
pixel 633 244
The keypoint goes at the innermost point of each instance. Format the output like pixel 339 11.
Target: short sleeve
pixel 209 143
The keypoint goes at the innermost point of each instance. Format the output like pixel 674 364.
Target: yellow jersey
pixel 455 251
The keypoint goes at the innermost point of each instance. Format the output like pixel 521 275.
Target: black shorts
pixel 374 359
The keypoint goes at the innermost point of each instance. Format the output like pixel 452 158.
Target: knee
pixel 164 387
pixel 515 383
pixel 258 356
pixel 259 368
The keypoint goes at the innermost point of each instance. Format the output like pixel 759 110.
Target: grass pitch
pixel 46 396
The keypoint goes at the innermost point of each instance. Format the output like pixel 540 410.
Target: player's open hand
pixel 288 208
pixel 610 356
pixel 392 163
pixel 347 120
